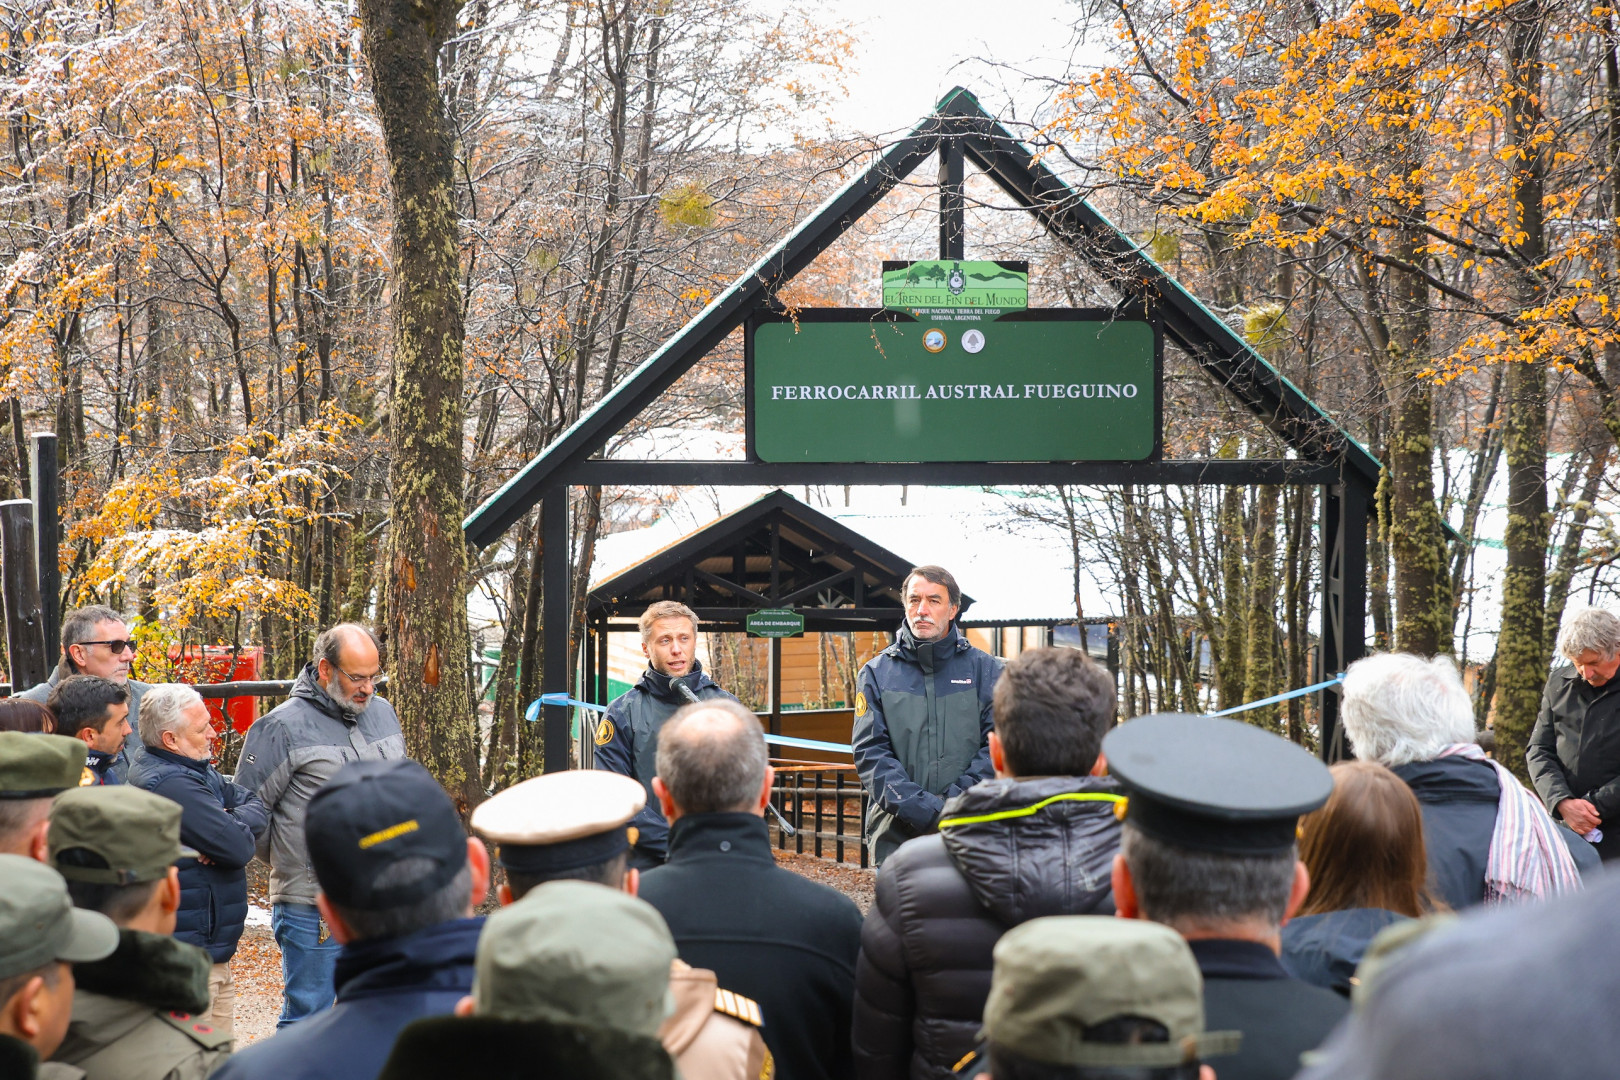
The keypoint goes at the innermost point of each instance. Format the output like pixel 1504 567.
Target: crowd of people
pixel 1059 896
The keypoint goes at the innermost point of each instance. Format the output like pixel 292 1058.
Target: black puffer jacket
pixel 1008 851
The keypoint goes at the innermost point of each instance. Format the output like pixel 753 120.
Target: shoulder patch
pixel 739 1007
pixel 199 1030
pixel 860 704
pixel 87 778
pixel 604 731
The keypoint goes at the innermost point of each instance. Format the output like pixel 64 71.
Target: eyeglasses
pixel 365 680
pixel 114 645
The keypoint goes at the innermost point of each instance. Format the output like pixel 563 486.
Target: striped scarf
pixel 1528 859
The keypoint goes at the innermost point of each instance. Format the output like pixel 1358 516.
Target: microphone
pixel 680 687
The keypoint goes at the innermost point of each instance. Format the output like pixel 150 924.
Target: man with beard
pixel 627 737
pixel 332 717
pixel 922 716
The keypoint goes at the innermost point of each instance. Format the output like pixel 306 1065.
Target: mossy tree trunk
pixel 1521 658
pixel 426 569
pixel 1261 664
pixel 1230 670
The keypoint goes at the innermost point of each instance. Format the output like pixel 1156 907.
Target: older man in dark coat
pixel 767 933
pixel 1574 751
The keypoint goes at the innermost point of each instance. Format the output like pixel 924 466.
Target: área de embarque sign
pixel 774 623
pixel 1046 385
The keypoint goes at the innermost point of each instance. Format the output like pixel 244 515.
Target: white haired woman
pixel 1574 751
pixel 1487 839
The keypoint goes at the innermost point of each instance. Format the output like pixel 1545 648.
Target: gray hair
pixel 1592 628
pixel 330 642
pixel 80 623
pixel 717 770
pixel 1399 708
pixel 163 709
pixel 1176 885
pixel 446 905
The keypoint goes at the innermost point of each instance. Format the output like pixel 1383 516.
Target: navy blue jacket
pixel 921 732
pixel 221 820
pixel 1459 799
pixel 381 987
pixel 627 743
pixel 1324 949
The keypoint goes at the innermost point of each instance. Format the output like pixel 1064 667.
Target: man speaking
pixel 922 716
pixel 627 737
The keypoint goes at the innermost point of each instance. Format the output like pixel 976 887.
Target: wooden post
pixel 45 487
pixel 776 686
pixel 25 639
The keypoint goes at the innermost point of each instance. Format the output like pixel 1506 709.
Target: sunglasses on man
pixel 114 645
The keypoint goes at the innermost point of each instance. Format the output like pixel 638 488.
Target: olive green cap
pixel 135 831
pixel 1386 947
pixel 577 953
pixel 1058 976
pixel 37 766
pixel 39 924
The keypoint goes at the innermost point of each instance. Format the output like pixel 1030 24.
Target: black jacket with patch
pixel 627 743
pixel 1008 851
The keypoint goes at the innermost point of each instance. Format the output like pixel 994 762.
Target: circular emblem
pixel 934 340
pixel 860 704
pixel 973 341
pixel 604 732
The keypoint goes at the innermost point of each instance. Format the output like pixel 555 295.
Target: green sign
pixel 775 622
pixel 955 290
pixel 1049 385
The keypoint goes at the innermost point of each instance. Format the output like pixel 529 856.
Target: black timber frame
pixel 958 131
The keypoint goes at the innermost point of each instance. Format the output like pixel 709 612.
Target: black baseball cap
pixel 374 816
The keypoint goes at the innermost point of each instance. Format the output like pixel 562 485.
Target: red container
pixel 208 664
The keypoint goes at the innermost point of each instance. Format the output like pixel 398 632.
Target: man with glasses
pixel 332 716
pixel 96 641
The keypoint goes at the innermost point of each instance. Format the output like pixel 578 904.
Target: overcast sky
pixel 910 52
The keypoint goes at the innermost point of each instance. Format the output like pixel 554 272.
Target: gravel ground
pixel 257 964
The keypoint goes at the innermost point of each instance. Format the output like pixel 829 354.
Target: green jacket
pixel 133 1013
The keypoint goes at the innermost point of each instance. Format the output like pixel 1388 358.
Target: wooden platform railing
pixel 826 806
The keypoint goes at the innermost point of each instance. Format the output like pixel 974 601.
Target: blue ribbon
pixel 532 714
pixel 1273 699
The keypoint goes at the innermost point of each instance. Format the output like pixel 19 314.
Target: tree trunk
pixel 427 564
pixel 1230 671
pixel 1262 645
pixel 1521 660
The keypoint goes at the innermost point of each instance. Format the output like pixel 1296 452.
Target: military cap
pixel 1055 978
pixel 38 766
pixel 136 832
pixel 39 924
pixel 1212 784
pixel 371 816
pixel 561 821
pixel 579 953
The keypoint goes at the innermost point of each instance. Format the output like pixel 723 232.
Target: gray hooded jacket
pixel 289 753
